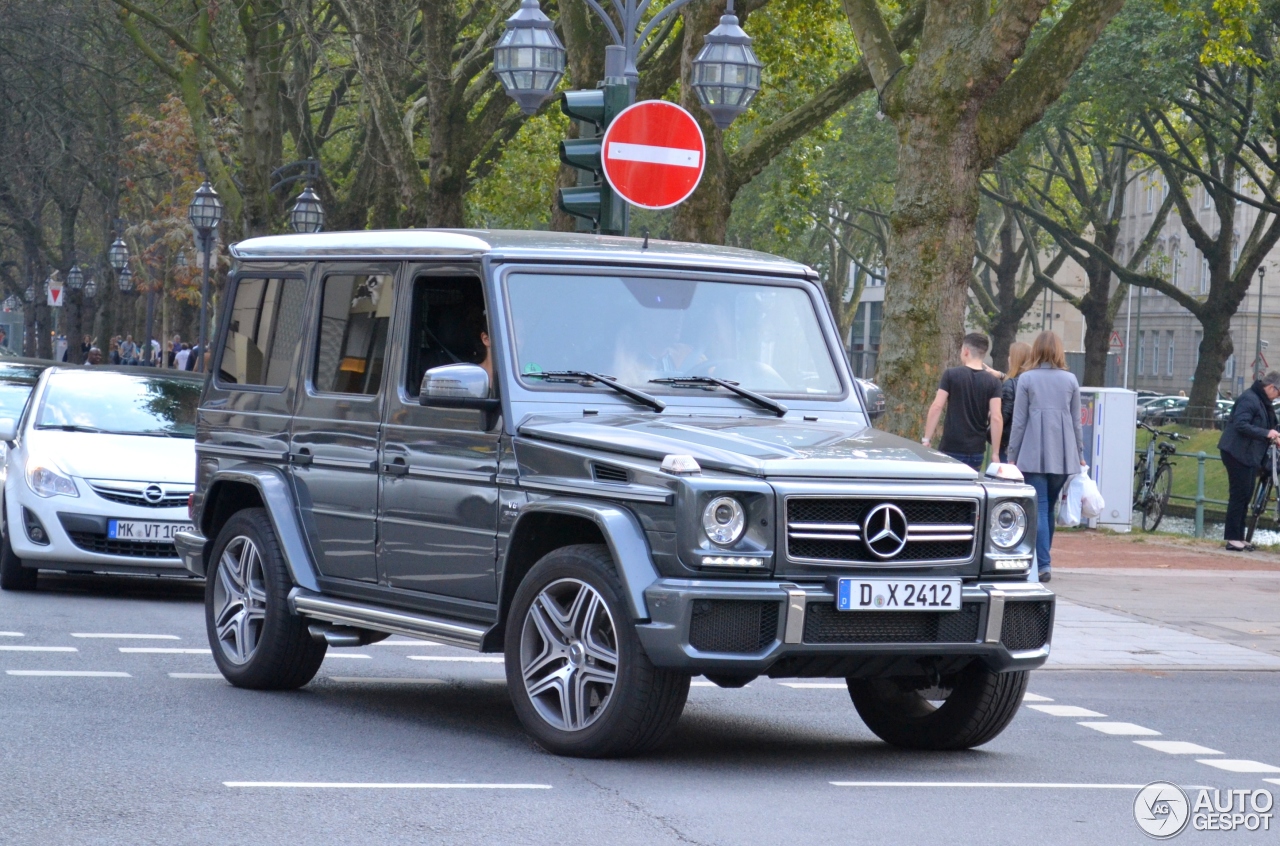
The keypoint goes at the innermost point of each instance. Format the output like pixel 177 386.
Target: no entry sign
pixel 653 154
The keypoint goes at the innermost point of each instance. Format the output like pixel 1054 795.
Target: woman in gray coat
pixel 1046 442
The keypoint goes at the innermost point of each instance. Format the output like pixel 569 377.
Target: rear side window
pixel 262 338
pixel 351 348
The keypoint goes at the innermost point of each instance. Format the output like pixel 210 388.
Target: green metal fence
pixel 1199 499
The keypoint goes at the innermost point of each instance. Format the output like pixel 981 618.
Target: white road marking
pixel 38 649
pixel 1018 784
pixel 1119 728
pixel 377 680
pixel 164 650
pixel 195 676
pixel 1238 765
pixel 816 685
pixel 1066 711
pixel 468 660
pixel 87 673
pixel 11 634
pixel 406 643
pixel 122 636
pixel 329 655
pixel 355 785
pixel 650 154
pixel 1035 697
pixel 702 684
pixel 1272 780
pixel 1177 747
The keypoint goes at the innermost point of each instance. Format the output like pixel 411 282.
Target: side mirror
pixel 8 429
pixel 459 386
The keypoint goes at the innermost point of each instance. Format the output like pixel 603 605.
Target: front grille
pixel 830 529
pixel 1025 625
pixel 131 493
pixel 824 624
pixel 733 625
pixel 110 546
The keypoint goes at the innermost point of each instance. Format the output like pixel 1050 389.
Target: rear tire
pixel 579 678
pixel 981 704
pixel 14 576
pixel 257 642
pixel 1153 512
pixel 1257 505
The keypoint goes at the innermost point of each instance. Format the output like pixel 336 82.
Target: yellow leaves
pixel 1225 26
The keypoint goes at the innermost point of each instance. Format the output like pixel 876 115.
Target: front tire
pixel 981 704
pixel 257 642
pixel 14 576
pixel 1153 510
pixel 579 678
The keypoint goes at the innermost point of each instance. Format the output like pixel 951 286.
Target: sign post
pixel 653 154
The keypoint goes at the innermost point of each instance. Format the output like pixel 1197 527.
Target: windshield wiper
pixel 73 428
pixel 168 433
pixel 699 381
pixel 584 376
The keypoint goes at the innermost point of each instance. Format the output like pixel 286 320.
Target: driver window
pixel 448 326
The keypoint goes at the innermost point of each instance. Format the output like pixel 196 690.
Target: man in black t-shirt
pixel 971 395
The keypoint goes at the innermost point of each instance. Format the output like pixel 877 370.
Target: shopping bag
pixel 1091 501
pixel 1069 507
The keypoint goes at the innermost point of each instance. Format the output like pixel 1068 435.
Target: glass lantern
pixel 307 214
pixel 118 254
pixel 75 278
pixel 125 281
pixel 90 289
pixel 529 59
pixel 726 73
pixel 205 210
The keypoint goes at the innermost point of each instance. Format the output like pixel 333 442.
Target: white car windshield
pixel 766 338
pixel 120 404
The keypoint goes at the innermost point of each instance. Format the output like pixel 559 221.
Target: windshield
pixel 119 403
pixel 764 337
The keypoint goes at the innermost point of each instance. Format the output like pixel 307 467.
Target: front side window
pixel 120 404
pixel 262 337
pixel 448 326
pixel 355 312
pixel 636 329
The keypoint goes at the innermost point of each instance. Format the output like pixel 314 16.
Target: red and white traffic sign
pixel 55 294
pixel 654 154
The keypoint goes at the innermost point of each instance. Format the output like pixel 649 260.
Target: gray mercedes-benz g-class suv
pixel 619 463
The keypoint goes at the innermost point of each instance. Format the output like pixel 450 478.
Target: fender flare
pixel 277 498
pixel 623 535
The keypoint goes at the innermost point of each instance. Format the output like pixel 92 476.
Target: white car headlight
pixel 724 520
pixel 1008 524
pixel 45 480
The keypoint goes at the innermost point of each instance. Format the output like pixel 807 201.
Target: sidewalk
pixel 1152 602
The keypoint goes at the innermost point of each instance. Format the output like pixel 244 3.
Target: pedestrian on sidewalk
pixel 1046 442
pixel 1243 446
pixel 1019 355
pixel 970 394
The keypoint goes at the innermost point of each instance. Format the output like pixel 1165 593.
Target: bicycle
pixel 1153 478
pixel 1268 481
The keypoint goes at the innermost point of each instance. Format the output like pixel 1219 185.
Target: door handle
pixel 301 457
pixel 396 467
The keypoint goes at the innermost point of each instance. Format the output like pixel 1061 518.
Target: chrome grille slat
pixel 828 529
pixel 131 493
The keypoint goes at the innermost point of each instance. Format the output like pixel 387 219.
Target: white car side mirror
pixel 8 429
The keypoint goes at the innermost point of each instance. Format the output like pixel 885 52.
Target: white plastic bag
pixel 1091 501
pixel 1069 505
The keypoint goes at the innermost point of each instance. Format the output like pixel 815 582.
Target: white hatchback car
pixel 98 473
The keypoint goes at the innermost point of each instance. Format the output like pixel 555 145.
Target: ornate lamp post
pixel 90 289
pixel 75 278
pixel 205 213
pixel 307 215
pixel 529 59
pixel 726 73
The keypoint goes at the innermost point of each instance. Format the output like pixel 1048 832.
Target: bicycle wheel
pixel 1257 505
pixel 1139 479
pixel 1157 498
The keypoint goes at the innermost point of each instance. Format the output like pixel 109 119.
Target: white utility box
pixel 1108 420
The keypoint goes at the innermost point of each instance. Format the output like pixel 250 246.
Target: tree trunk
pixel 1215 349
pixel 1003 334
pixel 1098 325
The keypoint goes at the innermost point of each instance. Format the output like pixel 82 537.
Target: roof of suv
pixel 513 244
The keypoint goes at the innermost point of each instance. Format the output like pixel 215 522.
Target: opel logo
pixel 884 530
pixel 152 494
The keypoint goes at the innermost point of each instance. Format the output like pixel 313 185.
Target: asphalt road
pixel 161 750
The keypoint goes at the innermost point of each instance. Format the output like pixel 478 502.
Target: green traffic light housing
pixel 593 200
pixel 585 106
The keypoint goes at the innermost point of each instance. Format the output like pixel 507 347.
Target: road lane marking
pixel 468 660
pixel 11 634
pixel 1066 711
pixel 122 636
pixel 98 674
pixel 1035 697
pixel 1018 784
pixel 410 785
pixel 1239 765
pixel 816 685
pixel 1272 780
pixel 163 650
pixel 702 684
pixel 38 649
pixel 196 676
pixel 329 655
pixel 1177 747
pixel 1119 728
pixel 382 680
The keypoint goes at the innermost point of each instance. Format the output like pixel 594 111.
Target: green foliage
pixel 519 191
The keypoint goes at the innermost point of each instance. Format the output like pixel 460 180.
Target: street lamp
pixel 726 72
pixel 205 213
pixel 75 278
pixel 90 289
pixel 307 215
pixel 125 280
pixel 529 59
pixel 118 254
pixel 30 294
pixel 1257 358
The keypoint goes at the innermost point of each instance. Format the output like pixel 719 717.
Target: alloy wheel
pixel 239 599
pixel 569 654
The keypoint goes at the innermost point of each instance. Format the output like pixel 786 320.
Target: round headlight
pixel 724 520
pixel 1008 524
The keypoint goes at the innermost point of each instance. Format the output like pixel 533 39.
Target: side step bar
pixel 381 619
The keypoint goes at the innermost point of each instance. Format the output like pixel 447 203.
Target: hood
pixel 755 446
pixel 135 458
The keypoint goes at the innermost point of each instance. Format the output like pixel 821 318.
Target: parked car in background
pixel 1162 410
pixel 18 377
pixel 99 469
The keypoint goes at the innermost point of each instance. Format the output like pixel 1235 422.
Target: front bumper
pixel 784 629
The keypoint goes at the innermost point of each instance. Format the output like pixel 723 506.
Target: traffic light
pixel 593 201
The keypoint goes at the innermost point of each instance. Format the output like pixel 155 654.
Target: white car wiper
pixel 708 381
pixel 583 377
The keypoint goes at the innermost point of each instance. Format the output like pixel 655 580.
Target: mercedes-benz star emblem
pixel 152 493
pixel 884 530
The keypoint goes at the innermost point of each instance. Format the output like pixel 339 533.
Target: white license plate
pixel 898 595
pixel 143 530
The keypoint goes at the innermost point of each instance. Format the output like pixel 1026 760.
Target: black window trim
pixel 215 367
pixel 451 270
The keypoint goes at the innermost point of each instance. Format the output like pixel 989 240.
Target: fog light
pixel 35 530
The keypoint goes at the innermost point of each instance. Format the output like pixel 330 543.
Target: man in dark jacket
pixel 1243 445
